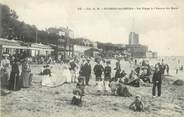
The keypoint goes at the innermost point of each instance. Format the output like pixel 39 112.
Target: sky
pixel 161 29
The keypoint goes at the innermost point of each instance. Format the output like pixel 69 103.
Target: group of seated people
pixel 138 77
pixel 116 88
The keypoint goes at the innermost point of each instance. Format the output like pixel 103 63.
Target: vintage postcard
pixel 96 58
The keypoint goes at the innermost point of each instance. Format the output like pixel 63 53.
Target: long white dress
pixel 66 73
pixel 56 77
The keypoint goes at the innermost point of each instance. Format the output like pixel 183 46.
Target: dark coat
pixel 85 70
pixel 72 66
pixel 107 72
pixel 157 77
pixel 98 70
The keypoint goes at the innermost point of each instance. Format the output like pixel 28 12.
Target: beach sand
pixel 38 101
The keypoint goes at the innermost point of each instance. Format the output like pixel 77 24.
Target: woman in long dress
pixel 66 72
pixel 26 74
pixel 5 71
pixel 14 82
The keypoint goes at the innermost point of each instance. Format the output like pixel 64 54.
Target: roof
pixel 39 45
pixel 93 49
pixel 22 45
pixel 11 42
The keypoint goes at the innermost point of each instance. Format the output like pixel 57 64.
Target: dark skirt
pixel 15 82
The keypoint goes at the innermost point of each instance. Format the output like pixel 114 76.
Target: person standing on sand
pixel 87 71
pixel 107 75
pixel 26 74
pixel 177 66
pixel 157 81
pixel 162 67
pixel 98 70
pixel 167 68
pixel 81 72
pixel 72 70
pixel 14 82
pixel 66 72
pixel 5 71
pixel 118 70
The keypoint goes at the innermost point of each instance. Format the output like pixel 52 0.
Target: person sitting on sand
pixel 133 75
pixel 46 70
pixel 137 104
pixel 123 91
pixel 123 77
pixel 123 73
pixel 138 70
pixel 77 98
pixel 133 79
pixel 78 92
pixel 80 85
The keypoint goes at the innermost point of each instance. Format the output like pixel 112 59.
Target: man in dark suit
pixel 87 71
pixel 98 70
pixel 157 81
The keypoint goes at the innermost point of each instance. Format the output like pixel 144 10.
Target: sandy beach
pixel 39 101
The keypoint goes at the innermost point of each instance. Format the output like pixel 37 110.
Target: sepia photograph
pixel 95 58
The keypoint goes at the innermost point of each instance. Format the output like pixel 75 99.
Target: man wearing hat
pixel 87 71
pixel 157 81
pixel 98 70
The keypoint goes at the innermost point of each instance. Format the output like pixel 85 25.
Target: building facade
pixel 151 54
pixel 137 51
pixel 12 46
pixel 80 49
pixel 133 38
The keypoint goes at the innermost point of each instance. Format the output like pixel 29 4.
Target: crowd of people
pixel 142 74
pixel 16 74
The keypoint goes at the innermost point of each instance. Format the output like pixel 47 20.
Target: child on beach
pixel 137 105
pixel 113 86
pixel 77 98
pixel 78 93
pixel 107 74
pixel 80 85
